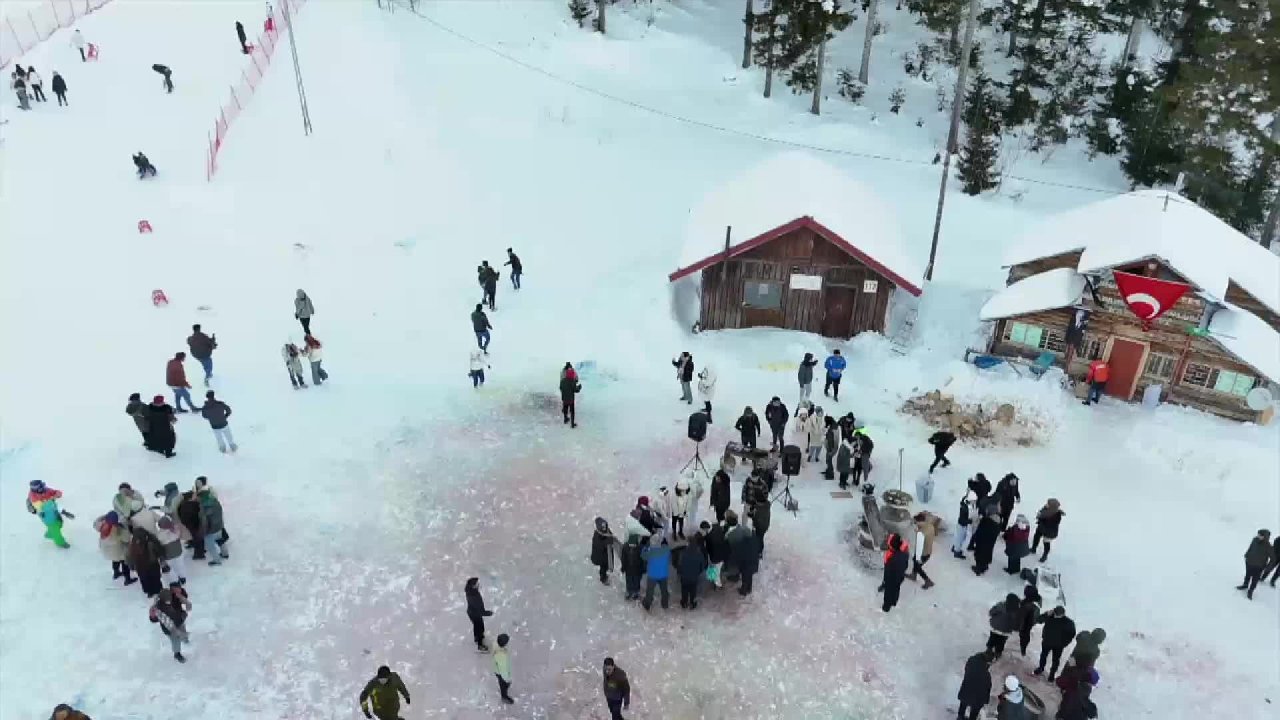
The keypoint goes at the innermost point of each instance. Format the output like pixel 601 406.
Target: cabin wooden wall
pixel 800 252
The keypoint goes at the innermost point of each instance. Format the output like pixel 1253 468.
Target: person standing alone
pixel 569 388
pixel 59 87
pixel 517 269
pixel 240 35
pixel 476 612
pixel 834 366
pixel 303 310
pixel 382 695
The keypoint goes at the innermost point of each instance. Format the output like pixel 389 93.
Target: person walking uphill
pixel 175 376
pixel 381 696
pixel 617 689
pixel 975 688
pixel 1048 520
pixel 476 612
pixel 569 388
pixel 602 541
pixel 834 366
pixel 202 347
pixel 480 324
pixel 303 310
pixel 748 426
pixel 489 281
pixel 684 375
pixel 517 269
pixel 59 87
pixel 804 375
pixel 1256 559
pixel 217 412
pixel 777 416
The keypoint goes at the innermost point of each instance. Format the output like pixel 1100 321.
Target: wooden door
pixel 837 314
pixel 1126 360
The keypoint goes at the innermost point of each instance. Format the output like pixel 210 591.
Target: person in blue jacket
pixel 658 570
pixel 835 370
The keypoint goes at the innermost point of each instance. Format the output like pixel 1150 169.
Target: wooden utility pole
pixel 866 43
pixel 600 15
pixel 816 108
pixel 772 39
pixel 748 19
pixel 957 107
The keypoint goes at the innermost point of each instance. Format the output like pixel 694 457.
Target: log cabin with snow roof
pixel 1170 296
pixel 796 244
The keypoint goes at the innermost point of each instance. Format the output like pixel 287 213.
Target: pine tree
pixel 981 149
pixel 943 17
pixel 579 10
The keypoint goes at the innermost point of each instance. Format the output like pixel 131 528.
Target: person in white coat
pixel 664 504
pixel 293 363
pixel 77 41
pixel 478 365
pixel 694 489
pixel 817 428
pixel 965 524
pixel 35 83
pixel 313 351
pixel 707 389
pixel 681 503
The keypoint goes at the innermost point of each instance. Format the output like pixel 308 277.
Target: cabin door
pixel 1126 361
pixel 837 316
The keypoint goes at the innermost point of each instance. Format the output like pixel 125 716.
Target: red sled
pixel 93 52
pixel 270 24
pixel 158 298
pixel 144 226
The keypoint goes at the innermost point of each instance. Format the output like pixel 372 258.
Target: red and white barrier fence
pixel 260 53
pixel 19 31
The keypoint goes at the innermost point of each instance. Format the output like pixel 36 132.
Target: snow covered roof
pixel 1140 225
pixel 1055 288
pixel 791 190
pixel 1249 338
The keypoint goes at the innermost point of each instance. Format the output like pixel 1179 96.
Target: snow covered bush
pixel 579 10
pixel 848 85
pixel 896 98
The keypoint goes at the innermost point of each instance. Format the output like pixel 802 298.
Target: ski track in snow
pixel 358 509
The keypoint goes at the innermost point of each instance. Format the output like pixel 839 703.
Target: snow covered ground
pixel 359 508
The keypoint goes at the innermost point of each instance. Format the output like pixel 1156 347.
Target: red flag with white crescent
pixel 1148 298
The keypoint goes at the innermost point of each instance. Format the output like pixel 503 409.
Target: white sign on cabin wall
pixel 806 282
pixel 870 286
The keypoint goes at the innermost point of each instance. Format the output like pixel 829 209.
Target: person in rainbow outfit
pixel 42 500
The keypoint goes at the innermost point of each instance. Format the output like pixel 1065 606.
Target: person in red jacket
pixel 1099 374
pixel 175 376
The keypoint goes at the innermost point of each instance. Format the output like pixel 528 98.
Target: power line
pixel 720 128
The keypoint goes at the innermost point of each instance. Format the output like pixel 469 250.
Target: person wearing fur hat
pixel 127 502
pixel 1011 706
pixel 602 541
pixel 707 389
pixel 1003 618
pixel 1016 544
pixel 171 612
pixel 721 493
pixel 984 540
pixel 975 688
pixel 113 541
pixel 776 414
pixel 1256 559
pixel 161 437
pixel 1048 520
pixel 748 427
pixel 632 565
pixel 965 524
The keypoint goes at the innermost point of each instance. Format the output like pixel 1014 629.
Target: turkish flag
pixel 1148 298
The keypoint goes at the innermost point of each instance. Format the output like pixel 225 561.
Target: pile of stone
pixel 994 424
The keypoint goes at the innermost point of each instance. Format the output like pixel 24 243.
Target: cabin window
pixel 762 295
pixel 1035 336
pixel 1159 366
pixel 1218 380
pixel 1093 347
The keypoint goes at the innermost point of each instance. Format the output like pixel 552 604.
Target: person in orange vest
pixel 1099 373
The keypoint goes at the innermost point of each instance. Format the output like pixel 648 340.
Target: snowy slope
pixel 358 509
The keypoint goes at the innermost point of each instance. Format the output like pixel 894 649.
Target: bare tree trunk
pixel 747 20
pixel 768 72
pixel 1271 228
pixel 1136 27
pixel 1013 28
pixel 600 4
pixel 817 83
pixel 866 43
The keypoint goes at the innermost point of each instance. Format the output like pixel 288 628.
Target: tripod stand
pixel 695 462
pixel 789 502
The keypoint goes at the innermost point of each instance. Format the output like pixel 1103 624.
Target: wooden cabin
pixel 1208 351
pixel 819 254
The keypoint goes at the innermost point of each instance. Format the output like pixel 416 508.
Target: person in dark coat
pixel 143 165
pixel 1077 705
pixel 617 690
pixel 476 612
pixel 632 565
pixel 59 87
pixel 1256 559
pixel 847 424
pixel 480 325
pixel 1008 495
pixel 144 555
pixel 137 410
pixel 862 447
pixel 975 688
pixel 1088 647
pixel 488 279
pixel 244 39
pixel 981 486
pixel 1059 631
pixel 602 541
pixel 721 494
pixel 831 442
pixel 941 442
pixel 743 551
pixel 202 347
pixel 805 376
pixel 517 269
pixel 984 541
pixel 1048 521
pixel 380 697
pixel 1004 622
pixel 188 511
pixel 749 427
pixel 1017 545
pixel 160 436
pixel 896 558
pixel 684 375
pixel 167 73
pixel 775 413
pixel 690 567
pixel 569 388
pixel 1028 616
pixel 1274 568
pixel 761 513
pixel 717 548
